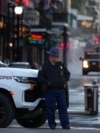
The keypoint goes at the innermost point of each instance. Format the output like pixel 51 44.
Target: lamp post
pixel 18 11
pixel 11 46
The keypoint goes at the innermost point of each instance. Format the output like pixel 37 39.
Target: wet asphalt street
pixel 77 114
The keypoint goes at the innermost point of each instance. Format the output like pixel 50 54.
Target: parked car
pixel 20 65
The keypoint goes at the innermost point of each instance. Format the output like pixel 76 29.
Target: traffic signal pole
pixel 65 31
pixel 65 40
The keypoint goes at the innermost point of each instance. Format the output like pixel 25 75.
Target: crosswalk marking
pixel 45 126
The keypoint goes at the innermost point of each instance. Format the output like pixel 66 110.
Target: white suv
pixel 21 98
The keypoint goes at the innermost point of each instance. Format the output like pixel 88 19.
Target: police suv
pixel 90 62
pixel 21 98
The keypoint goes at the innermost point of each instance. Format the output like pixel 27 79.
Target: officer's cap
pixel 53 51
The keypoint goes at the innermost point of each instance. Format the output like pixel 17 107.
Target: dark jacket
pixel 53 76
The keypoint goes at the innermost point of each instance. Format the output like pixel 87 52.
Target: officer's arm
pixel 42 76
pixel 67 73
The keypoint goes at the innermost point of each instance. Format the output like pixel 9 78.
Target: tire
pixel 33 123
pixel 6 111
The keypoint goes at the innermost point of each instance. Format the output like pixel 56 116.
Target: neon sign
pixel 24 1
pixel 36 39
pixel 27 3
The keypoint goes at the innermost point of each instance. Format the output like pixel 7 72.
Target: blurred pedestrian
pixel 53 75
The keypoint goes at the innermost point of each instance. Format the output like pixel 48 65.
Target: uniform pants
pixel 52 98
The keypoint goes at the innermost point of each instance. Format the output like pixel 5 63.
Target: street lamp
pixel 18 11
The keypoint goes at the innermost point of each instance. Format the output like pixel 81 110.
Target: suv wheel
pixel 34 122
pixel 6 111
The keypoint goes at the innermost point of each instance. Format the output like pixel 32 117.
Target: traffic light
pixel 96 38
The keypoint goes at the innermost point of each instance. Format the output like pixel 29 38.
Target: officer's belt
pixel 56 88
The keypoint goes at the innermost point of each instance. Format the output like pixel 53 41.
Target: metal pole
pixel 8 31
pixel 69 10
pixel 98 33
pixel 65 46
pixel 4 40
pixel 65 37
pixel 13 32
pixel 17 50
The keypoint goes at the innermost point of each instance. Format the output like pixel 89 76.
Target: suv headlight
pixel 22 79
pixel 85 64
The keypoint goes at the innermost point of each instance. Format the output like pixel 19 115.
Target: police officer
pixel 54 76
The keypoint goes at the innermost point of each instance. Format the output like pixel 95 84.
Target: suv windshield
pixel 20 65
pixel 92 55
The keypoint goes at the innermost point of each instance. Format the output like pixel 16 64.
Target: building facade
pixel 21 38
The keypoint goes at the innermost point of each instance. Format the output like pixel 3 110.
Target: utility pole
pixel 99 35
pixel 97 9
pixel 65 31
pixel 65 39
pixel 69 10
